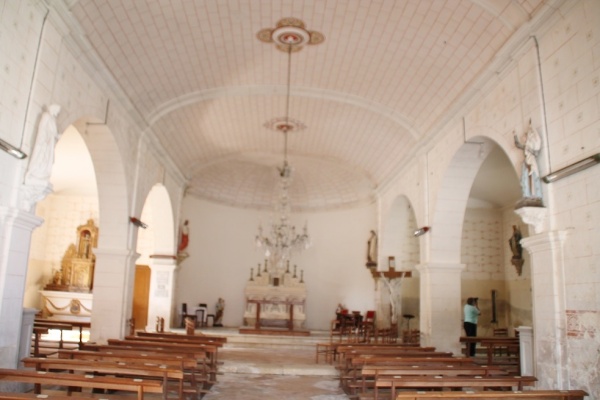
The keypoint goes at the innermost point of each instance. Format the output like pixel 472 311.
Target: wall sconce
pixel 137 222
pixel 573 168
pixel 12 150
pixel 421 231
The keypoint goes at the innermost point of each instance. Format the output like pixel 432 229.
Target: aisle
pixel 258 372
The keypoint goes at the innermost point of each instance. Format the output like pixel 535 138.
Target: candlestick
pixel 301 276
pixel 251 274
pixel 295 266
pixel 258 271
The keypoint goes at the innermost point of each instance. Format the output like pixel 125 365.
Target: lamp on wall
pixel 573 168
pixel 12 150
pixel 421 231
pixel 137 222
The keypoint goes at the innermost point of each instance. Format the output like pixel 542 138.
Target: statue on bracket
pixel 372 250
pixel 530 175
pixel 517 250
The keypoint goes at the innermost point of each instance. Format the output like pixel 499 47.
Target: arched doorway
pixel 154 278
pixel 400 250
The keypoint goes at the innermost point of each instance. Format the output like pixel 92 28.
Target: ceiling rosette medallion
pixel 290 34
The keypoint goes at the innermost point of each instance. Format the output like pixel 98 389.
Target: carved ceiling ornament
pixel 290 34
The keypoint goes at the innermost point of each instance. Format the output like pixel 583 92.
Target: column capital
pixel 440 267
pixel 20 218
pixel 544 241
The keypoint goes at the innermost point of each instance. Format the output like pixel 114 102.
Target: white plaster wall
pixel 570 54
pixel 222 251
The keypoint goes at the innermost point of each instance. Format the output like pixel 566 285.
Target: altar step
pixel 273 341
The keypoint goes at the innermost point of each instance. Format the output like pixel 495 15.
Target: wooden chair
pixel 368 326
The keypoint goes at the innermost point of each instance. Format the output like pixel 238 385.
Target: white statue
pixel 42 158
pixel 530 174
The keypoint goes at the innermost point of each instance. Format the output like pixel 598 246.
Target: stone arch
pixel 440 275
pixel 113 276
pixel 451 200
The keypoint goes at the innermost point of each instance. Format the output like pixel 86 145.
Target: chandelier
pixel 283 239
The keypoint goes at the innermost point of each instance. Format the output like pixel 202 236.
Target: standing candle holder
pixel 301 276
pixel 258 271
pixel 295 266
pixel 251 274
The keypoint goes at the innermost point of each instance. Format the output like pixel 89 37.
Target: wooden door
pixel 141 296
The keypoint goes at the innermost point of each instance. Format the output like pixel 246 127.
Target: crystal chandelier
pixel 283 239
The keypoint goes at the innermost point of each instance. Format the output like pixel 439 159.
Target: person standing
pixel 471 311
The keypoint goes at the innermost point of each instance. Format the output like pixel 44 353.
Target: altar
pixel 275 303
pixel 69 292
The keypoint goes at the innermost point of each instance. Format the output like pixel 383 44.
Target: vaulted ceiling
pixel 377 89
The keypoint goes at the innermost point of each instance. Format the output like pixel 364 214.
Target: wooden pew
pixel 43 378
pixel 495 395
pixel 345 363
pixel 160 372
pixel 392 383
pixel 73 323
pixel 195 373
pixel 210 350
pixel 181 339
pixel 370 374
pixel 204 354
pixel 37 333
pixel 349 378
pixel 222 339
pixel 54 325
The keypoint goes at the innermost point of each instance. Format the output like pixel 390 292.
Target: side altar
pixel 275 302
pixel 69 292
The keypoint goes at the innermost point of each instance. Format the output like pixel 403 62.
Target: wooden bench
pixel 495 395
pixel 54 325
pixel 195 373
pixel 171 335
pixel 205 362
pixel 74 324
pixel 392 383
pixel 43 378
pixel 350 376
pixel 210 350
pixel 38 331
pixel 345 363
pixel 54 395
pixel 162 372
pixel 370 374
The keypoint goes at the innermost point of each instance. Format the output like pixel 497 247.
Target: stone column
pixel 26 332
pixel 16 227
pixel 160 302
pixel 549 308
pixel 441 306
pixel 113 292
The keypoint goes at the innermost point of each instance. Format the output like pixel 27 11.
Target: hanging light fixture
pixel 283 239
